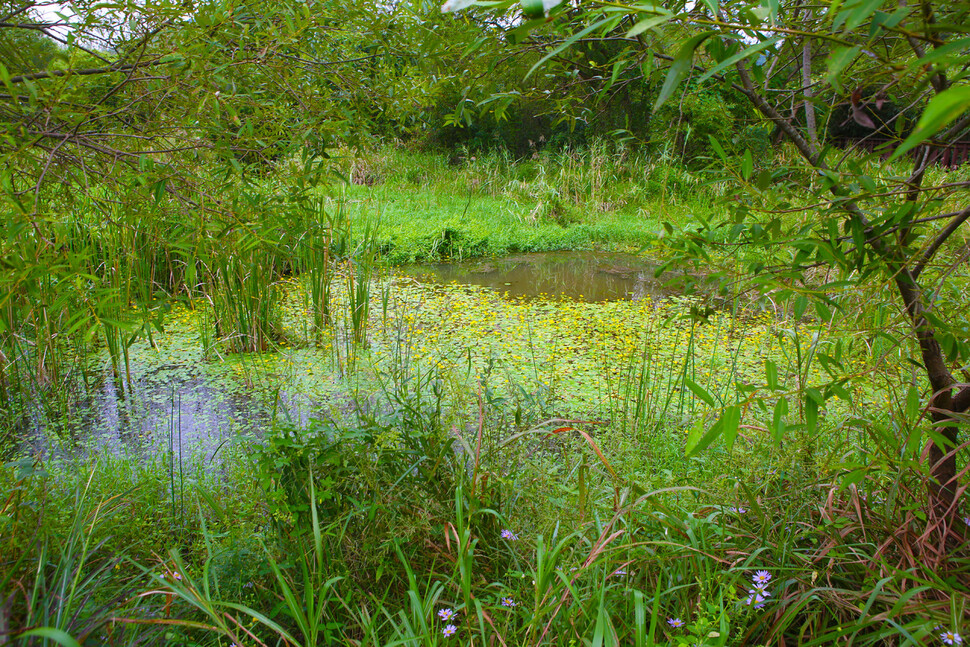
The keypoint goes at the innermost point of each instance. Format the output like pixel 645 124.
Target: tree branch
pixel 961 401
pixel 111 69
pixel 960 218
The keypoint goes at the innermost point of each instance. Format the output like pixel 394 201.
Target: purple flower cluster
pixel 758 592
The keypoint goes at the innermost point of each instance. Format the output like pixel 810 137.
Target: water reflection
pixel 176 407
pixel 586 276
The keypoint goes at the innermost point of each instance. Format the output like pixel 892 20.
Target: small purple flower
pixel 951 638
pixel 736 510
pixel 676 623
pixel 449 631
pixel 757 596
pixel 446 614
pixel 509 535
pixel 619 573
pixel 761 577
pixel 508 602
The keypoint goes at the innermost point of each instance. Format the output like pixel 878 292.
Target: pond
pixel 572 333
pixel 582 275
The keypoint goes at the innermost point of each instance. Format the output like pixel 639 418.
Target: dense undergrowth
pixel 502 472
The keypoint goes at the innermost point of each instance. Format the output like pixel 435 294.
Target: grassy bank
pixel 435 206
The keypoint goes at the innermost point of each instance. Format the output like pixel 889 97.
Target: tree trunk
pixel 942 460
pixel 808 94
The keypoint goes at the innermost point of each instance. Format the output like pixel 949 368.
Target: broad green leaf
pixel 535 9
pixel 778 426
pixel 944 108
pixel 647 23
pixel 680 67
pixel 771 374
pixel 731 420
pixel 5 77
pixel 726 425
pixel 604 24
pixel 773 6
pixel 957 50
pixel 811 415
pixel 882 21
pixel 717 148
pixel 859 12
pixel 838 60
pixel 158 191
pixel 59 636
pixel 912 403
pixel 760 13
pixel 740 56
pixel 646 67
pixel 699 391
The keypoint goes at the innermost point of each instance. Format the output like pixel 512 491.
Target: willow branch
pixel 941 238
pixel 111 69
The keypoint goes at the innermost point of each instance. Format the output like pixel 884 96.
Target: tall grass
pixel 97 275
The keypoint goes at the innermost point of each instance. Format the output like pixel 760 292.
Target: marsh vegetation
pixel 358 354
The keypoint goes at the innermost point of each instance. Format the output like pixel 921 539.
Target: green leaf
pixel 646 67
pixel 572 39
pixel 941 54
pixel 158 190
pixel 731 421
pixel 859 12
pixel 680 67
pixel 944 108
pixel 535 9
pixel 5 77
pixel 699 391
pixel 811 415
pixel 771 374
pixel 717 148
pixel 740 56
pixel 764 179
pixel 840 58
pixel 882 21
pixel 773 6
pixel 647 23
pixel 57 635
pixel 726 425
pixel 778 426
pixel 912 404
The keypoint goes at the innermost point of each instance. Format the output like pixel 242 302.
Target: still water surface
pixel 182 403
pixel 585 276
